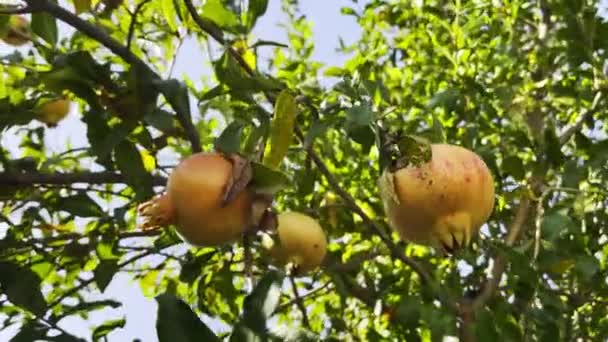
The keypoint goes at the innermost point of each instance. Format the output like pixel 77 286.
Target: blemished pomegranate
pixel 441 203
pixel 193 202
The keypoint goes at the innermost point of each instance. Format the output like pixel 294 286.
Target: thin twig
pixel 217 34
pixel 500 262
pixel 34 178
pixel 139 7
pixel 570 131
pixel 85 283
pixel 123 52
pixel 309 295
pixel 210 29
pixel 56 326
pixel 19 10
pixel 73 236
pixel 299 302
pixel 352 204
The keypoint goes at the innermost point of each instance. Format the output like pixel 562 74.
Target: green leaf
pixel 214 92
pixel 408 312
pixel 282 130
pixel 553 148
pixel 69 78
pixel 30 331
pixel 86 307
pixel 107 327
pixel 230 73
pixel 21 285
pixel 358 125
pixel 348 11
pixel 192 269
pixel 104 273
pixel 257 134
pixel 142 92
pixel 82 6
pixel 514 166
pixel 268 181
pixel 161 120
pixel 446 99
pixel 316 129
pixel 259 305
pixel 485 327
pixel 129 162
pixel 4 23
pixel 42 269
pixel 215 11
pixel 573 174
pixel 230 140
pixel 169 13
pixel 45 26
pixel 176 93
pixel 554 224
pixel 438 131
pixel 105 250
pixel 177 323
pixel 414 150
pixel 256 9
pixel 587 266
pixel 80 205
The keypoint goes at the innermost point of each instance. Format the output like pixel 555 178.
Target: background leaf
pixel 282 130
pixel 176 322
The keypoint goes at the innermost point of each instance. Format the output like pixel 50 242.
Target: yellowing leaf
pixel 561 266
pixel 82 6
pixel 148 283
pixel 148 160
pixel 281 134
pixel 246 53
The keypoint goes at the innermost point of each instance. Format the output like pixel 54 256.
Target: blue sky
pixel 139 311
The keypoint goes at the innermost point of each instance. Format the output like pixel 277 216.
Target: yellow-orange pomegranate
pixel 18 32
pixel 302 241
pixel 440 203
pixel 192 202
pixel 53 112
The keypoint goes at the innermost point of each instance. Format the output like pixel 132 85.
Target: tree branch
pixel 500 263
pixel 86 283
pixel 299 302
pixel 425 277
pixel 570 131
pixel 18 10
pixel 209 28
pixel 310 294
pixel 123 52
pixel 33 178
pixel 523 211
pixel 139 7
pixel 217 34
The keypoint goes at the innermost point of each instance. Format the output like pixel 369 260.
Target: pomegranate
pixel 18 31
pixel 301 241
pixel 54 111
pixel 441 203
pixel 193 202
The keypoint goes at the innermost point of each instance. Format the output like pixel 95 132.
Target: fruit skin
pixel 302 241
pixel 441 203
pixel 54 111
pixel 18 32
pixel 192 202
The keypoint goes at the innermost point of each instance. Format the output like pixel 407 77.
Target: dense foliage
pixel 521 83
